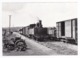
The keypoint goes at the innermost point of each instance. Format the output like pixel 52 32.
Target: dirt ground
pixel 43 48
pixel 62 48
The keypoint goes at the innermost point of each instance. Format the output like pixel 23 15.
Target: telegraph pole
pixel 9 22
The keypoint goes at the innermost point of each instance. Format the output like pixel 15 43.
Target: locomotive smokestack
pixel 40 23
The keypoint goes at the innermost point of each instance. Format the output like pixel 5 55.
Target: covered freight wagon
pixel 25 31
pixel 67 30
pixel 52 33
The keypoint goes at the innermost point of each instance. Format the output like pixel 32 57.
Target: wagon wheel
pixel 20 46
pixel 10 47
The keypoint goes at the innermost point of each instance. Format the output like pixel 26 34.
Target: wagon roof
pixel 67 20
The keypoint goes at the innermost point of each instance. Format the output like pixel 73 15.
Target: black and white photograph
pixel 39 28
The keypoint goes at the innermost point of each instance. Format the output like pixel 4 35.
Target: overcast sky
pixel 24 14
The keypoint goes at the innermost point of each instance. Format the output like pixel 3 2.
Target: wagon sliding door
pixel 74 29
pixel 58 30
pixel 68 28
